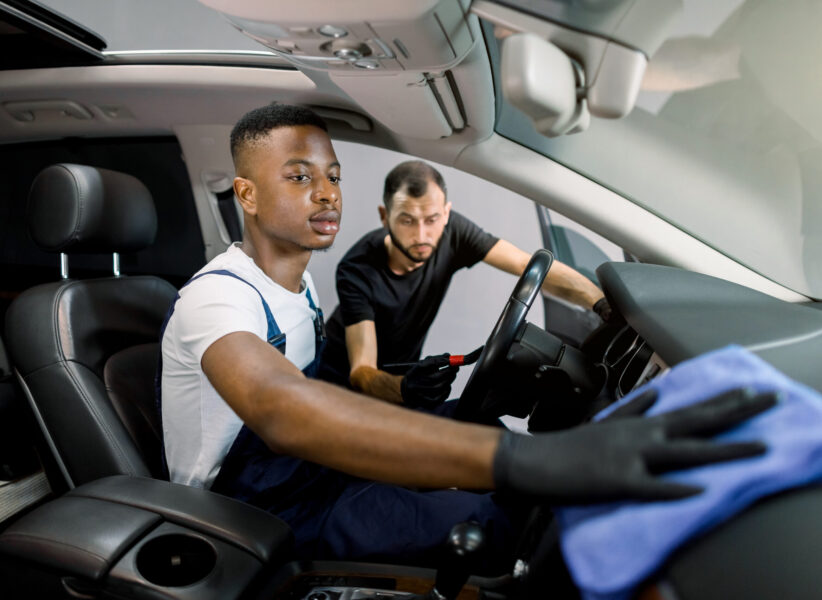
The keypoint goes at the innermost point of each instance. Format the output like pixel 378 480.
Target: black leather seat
pixel 86 350
pixel 86 354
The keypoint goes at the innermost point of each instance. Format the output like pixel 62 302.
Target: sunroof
pixel 32 36
pixel 156 25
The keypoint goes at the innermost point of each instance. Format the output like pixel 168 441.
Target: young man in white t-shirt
pixel 241 417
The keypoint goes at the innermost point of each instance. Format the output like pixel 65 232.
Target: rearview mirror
pixel 542 81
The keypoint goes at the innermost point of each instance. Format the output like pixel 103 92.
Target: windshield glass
pixel 724 141
pixel 154 25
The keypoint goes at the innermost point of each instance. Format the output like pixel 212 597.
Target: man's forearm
pixel 571 285
pixel 562 280
pixel 376 383
pixel 374 440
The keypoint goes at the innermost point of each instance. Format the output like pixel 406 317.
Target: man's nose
pixel 325 192
pixel 424 232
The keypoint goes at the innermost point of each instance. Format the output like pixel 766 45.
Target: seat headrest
pixel 80 209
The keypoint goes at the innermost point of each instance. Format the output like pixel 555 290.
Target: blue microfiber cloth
pixel 610 549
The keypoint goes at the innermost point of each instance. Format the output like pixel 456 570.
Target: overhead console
pixel 409 46
pixel 356 35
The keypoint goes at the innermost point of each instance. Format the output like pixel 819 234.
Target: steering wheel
pixel 470 404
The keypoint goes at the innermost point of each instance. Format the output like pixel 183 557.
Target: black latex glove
pixel 617 458
pixel 428 383
pixel 602 308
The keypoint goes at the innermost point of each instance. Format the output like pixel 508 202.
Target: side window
pixel 575 245
pixel 584 250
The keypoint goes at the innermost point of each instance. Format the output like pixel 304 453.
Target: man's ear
pixel 447 211
pixel 383 216
pixel 244 191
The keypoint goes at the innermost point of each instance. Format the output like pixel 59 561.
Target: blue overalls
pixel 338 516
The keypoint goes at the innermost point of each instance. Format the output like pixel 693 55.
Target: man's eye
pixel 405 221
pixel 432 220
pixel 299 177
pixel 334 179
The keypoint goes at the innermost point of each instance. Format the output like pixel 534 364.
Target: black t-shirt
pixel 401 306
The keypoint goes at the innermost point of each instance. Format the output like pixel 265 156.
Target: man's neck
pixel 284 266
pixel 399 263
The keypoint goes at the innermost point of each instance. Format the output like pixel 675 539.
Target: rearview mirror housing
pixel 542 81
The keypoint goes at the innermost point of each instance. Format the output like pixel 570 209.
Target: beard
pixel 406 252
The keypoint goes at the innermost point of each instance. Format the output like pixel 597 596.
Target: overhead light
pixel 332 31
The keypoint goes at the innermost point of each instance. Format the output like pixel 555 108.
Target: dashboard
pixel 673 315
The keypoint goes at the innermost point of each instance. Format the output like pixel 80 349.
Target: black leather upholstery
pixel 89 543
pixel 255 531
pixel 86 352
pixel 62 335
pixel 75 208
pixel 129 379
pixel 81 536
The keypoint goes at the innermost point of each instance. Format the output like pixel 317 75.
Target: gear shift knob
pixel 464 544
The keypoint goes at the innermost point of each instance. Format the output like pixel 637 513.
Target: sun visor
pixel 406 103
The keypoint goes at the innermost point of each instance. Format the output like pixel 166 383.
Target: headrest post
pixel 115 263
pixel 64 273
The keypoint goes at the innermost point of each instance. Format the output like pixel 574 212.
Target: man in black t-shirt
pixel 392 281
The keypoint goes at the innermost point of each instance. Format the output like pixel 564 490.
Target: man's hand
pixel 603 309
pixel 617 458
pixel 428 383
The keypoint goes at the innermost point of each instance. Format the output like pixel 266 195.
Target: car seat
pixel 86 350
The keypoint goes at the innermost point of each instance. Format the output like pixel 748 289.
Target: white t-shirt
pixel 198 426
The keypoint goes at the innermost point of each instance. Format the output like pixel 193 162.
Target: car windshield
pixel 724 141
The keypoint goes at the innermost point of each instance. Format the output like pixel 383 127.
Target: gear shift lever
pixel 463 546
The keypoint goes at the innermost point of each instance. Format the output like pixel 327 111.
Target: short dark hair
pixel 413 175
pixel 257 123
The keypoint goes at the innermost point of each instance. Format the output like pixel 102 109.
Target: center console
pixel 130 537
pixel 139 538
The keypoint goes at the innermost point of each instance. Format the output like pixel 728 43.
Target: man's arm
pixel 325 424
pixel 361 343
pixel 562 280
pixel 331 426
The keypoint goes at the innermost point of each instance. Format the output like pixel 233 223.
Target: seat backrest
pixel 86 350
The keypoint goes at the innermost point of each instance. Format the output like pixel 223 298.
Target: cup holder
pixel 175 560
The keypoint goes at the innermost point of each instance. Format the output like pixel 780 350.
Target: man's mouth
pixel 326 222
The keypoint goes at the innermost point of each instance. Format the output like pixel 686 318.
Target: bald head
pixel 252 130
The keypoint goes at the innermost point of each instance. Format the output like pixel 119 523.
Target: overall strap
pixel 273 335
pixel 319 322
